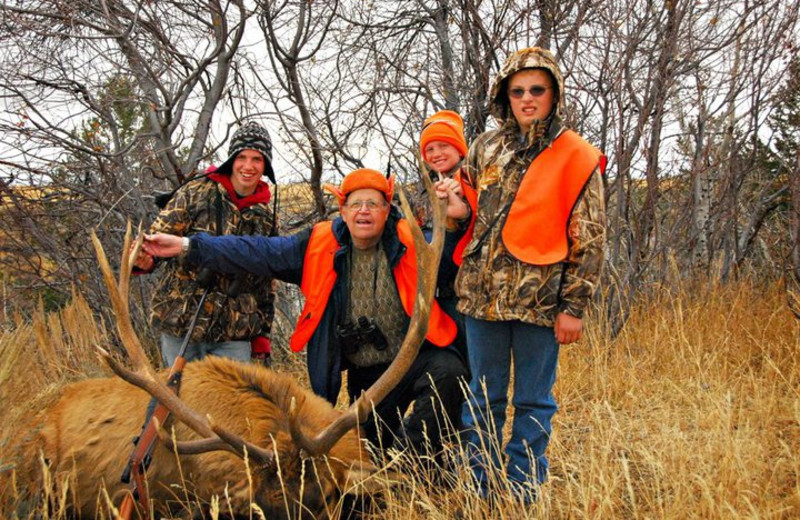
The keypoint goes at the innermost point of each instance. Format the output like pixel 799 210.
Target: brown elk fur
pixel 86 437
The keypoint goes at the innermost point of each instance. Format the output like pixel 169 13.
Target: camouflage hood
pixel 530 58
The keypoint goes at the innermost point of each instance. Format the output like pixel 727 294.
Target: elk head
pixel 309 461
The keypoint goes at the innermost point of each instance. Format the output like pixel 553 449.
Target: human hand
pixel 445 186
pixel 162 245
pixel 143 261
pixel 451 190
pixel 568 328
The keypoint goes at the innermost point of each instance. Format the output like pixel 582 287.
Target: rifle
pixel 144 444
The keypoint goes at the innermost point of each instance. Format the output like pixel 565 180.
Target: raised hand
pixel 162 245
pixel 450 189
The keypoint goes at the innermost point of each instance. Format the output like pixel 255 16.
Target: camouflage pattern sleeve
pixel 472 166
pixel 175 218
pixel 267 307
pixel 587 230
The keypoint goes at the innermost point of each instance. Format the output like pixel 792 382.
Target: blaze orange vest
pixel 319 278
pixel 472 199
pixel 535 230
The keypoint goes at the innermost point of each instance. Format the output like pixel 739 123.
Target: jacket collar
pixel 260 196
pixel 543 134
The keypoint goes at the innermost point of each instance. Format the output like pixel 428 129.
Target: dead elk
pixel 242 431
pixel 86 438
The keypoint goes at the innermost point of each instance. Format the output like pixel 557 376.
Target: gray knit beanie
pixel 250 136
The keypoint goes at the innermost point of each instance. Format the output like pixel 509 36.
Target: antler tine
pixel 439 213
pixel 127 261
pixel 255 452
pixel 143 375
pixel 428 256
pixel 121 310
pixel 323 442
pixel 200 446
pixel 191 447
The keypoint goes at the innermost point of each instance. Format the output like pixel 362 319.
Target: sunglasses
pixel 535 90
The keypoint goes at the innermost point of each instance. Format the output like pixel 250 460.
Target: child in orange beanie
pixel 443 148
pixel 442 142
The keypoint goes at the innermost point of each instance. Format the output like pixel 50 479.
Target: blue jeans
pixel 171 347
pixel 492 344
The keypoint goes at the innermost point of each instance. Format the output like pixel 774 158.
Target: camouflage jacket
pixel 234 309
pixel 492 284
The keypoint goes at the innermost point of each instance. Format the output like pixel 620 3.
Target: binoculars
pixel 363 332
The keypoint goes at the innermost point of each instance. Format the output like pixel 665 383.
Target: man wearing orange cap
pixel 358 274
pixel 443 148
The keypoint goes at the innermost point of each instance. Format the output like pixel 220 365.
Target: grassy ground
pixel 693 411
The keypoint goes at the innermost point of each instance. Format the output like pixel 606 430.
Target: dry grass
pixel 39 358
pixel 692 412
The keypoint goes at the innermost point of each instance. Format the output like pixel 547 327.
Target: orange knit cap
pixel 361 179
pixel 446 126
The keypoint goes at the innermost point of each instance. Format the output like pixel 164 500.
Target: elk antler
pixel 428 257
pixel 142 373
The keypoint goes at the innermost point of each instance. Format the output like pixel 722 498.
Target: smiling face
pixel 365 212
pixel 441 156
pixel 530 108
pixel 248 167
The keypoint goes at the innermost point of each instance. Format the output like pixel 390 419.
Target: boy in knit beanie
pixel 232 199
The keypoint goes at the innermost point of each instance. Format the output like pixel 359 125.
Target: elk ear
pixel 366 479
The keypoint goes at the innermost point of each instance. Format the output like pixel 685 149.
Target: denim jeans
pixel 534 349
pixel 171 347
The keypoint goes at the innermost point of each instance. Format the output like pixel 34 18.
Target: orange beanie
pixel 361 179
pixel 446 126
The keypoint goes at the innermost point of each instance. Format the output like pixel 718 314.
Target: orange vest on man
pixel 319 278
pixel 535 230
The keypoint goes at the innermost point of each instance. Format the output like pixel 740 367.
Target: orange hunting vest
pixel 472 200
pixel 319 278
pixel 535 230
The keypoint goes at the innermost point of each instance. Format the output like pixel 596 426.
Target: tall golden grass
pixel 693 411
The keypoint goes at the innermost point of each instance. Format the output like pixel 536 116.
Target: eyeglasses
pixel 535 90
pixel 357 205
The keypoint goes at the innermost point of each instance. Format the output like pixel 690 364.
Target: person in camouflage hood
pixel 531 267
pixel 232 199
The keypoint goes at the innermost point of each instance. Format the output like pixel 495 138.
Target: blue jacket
pixel 282 258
